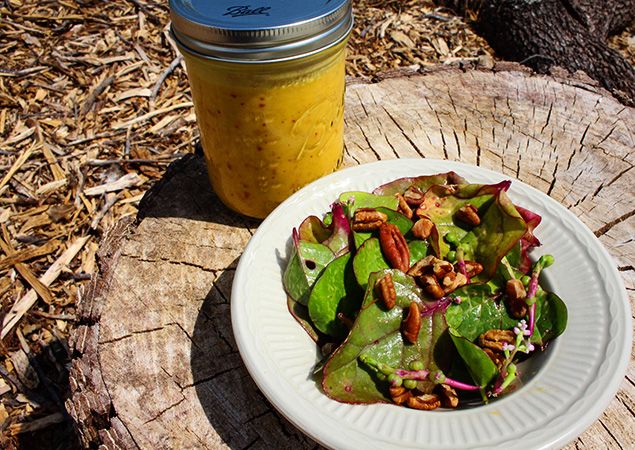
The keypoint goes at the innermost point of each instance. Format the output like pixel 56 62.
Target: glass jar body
pixel 267 129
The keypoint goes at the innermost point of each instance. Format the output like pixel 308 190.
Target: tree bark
pixel 155 362
pixel 567 33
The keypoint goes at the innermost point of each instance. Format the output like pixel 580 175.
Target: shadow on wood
pixel 230 399
pixel 185 192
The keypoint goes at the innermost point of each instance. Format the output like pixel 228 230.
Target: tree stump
pixel 156 365
pixel 568 33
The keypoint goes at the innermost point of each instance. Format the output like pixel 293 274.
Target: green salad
pixel 422 293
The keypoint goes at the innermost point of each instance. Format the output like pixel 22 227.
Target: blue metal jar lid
pixel 259 31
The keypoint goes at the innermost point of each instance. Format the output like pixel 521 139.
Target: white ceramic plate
pixel 577 379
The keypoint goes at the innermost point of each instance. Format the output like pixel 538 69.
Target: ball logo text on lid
pixel 246 10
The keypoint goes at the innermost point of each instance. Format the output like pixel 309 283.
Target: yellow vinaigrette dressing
pixel 268 89
pixel 267 130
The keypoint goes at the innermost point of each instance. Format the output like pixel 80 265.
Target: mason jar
pixel 267 84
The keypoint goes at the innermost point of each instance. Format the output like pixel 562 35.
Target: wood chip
pixel 35 222
pixel 23 304
pixel 5 214
pixel 15 258
pixel 4 388
pixel 4 415
pixel 24 156
pixel 125 182
pixel 133 199
pixel 51 187
pixel 136 92
pixel 56 170
pixel 12 140
pixel 37 424
pixel 100 87
pixel 168 70
pixel 144 117
pixel 402 38
pixel 23 369
pixel 441 46
pixel 26 254
pixel 111 199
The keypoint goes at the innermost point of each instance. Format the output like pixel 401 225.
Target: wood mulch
pixel 94 104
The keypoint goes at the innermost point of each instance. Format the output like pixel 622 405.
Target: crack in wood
pixel 626 405
pixel 606 137
pixel 260 416
pixel 613 180
pixel 604 229
pixel 445 146
pixel 478 152
pixel 169 261
pixel 542 130
pixel 362 103
pixel 511 112
pixel 188 336
pixel 351 155
pixel 210 378
pixel 608 430
pixel 452 102
pixel 134 333
pixel 128 430
pixel 580 200
pixel 165 410
pixel 370 146
pixel 517 174
pixel 252 444
pixel 195 434
pixel 458 144
pixel 394 150
pixel 230 344
pixel 552 184
pixel 403 132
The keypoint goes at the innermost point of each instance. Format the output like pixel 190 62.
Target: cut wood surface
pixel 156 365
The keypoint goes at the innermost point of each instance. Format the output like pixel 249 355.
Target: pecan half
pixel 452 281
pixel 422 229
pixel 440 268
pixel 400 394
pixel 497 357
pixel 394 247
pixel 515 298
pixel 447 395
pixel 515 289
pixel 403 206
pixel 472 268
pixel 368 219
pixel 468 214
pixel 387 291
pixel 411 326
pixel 423 266
pixel 431 285
pixel 495 339
pixel 425 402
pixel 413 196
